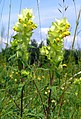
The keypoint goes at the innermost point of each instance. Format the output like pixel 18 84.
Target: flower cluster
pixel 25 23
pixel 53 50
pixel 59 30
pixel 24 29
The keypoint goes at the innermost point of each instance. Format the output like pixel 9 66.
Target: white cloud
pixel 3 41
pixel 2 44
pixel 68 42
pixel 44 30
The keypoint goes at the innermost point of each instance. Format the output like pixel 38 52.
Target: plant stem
pixel 49 105
pixel 49 98
pixel 77 24
pixel 22 100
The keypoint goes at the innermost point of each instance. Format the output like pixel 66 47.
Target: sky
pixel 48 13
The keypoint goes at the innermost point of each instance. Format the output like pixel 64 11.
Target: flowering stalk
pixel 54 52
pixel 24 29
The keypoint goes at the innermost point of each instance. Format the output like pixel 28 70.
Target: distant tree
pixel 34 52
pixel 71 55
pixel 41 44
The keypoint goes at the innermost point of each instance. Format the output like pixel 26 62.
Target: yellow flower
pixel 48 47
pixel 11 76
pixel 76 93
pixel 16 72
pixel 57 39
pixel 46 93
pixel 15 80
pixel 39 78
pixel 64 65
pixel 34 76
pixel 43 77
pixel 62 88
pixel 20 20
pixel 30 22
pixel 24 25
pixel 15 28
pixel 34 26
pixel 53 101
pixel 67 33
pixel 67 26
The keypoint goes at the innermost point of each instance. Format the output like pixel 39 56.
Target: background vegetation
pixel 40 81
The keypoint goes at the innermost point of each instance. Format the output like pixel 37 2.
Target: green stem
pixel 49 98
pixel 22 100
pixel 77 24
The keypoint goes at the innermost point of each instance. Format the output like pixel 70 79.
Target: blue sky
pixel 48 13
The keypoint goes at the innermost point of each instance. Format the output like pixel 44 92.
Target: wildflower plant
pixel 46 92
pixel 56 34
pixel 24 29
pixel 54 53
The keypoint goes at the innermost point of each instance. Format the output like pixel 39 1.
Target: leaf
pixel 12 57
pixel 53 89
